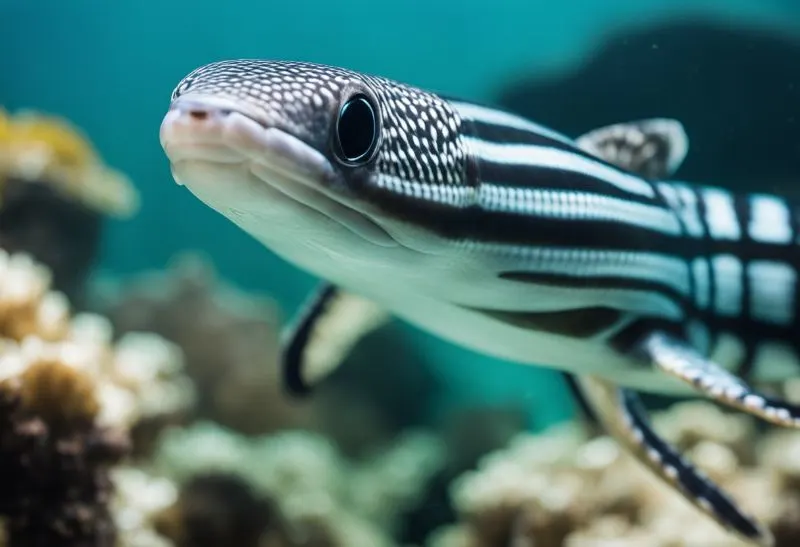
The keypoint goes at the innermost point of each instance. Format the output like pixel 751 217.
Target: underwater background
pixel 728 69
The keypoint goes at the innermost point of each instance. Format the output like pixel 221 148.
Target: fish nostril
pixel 199 115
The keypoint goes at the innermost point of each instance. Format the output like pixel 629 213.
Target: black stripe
pixel 526 176
pixel 707 315
pixel 503 134
pixel 293 354
pixel 473 223
pixel 578 323
pixel 688 479
pixel 744 213
pixel 596 282
pixel 540 178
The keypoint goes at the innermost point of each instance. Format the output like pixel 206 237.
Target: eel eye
pixel 356 130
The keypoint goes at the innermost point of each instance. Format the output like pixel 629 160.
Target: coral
pixel 221 509
pixel 293 486
pixel 566 488
pixel 138 500
pixel 68 399
pixel 47 149
pixel 54 191
pixel 27 306
pixel 55 474
pixel 64 235
pixel 229 340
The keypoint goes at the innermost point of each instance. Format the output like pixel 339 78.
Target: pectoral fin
pixel 622 414
pixel 324 334
pixel 653 148
pixel 681 360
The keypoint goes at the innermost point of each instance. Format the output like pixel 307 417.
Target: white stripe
pixel 720 214
pixel 553 158
pixel 666 270
pixel 689 210
pixel 770 221
pixel 772 291
pixel 728 282
pixel 542 203
pixel 576 206
pixel 482 114
pixel 683 201
pixel 587 263
pixel 702 282
pixel 445 194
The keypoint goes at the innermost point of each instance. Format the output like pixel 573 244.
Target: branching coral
pixel 138 499
pixel 67 400
pixel 229 340
pixel 308 493
pixel 566 489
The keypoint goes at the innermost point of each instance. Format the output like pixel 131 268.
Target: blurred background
pixel 110 68
pixel 728 69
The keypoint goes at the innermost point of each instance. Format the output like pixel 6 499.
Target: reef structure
pixel 68 399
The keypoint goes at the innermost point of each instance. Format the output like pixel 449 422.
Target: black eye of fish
pixel 356 130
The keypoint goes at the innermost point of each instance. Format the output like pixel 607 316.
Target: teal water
pixel 110 67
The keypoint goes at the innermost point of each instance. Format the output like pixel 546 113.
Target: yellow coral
pixel 39 148
pixel 27 306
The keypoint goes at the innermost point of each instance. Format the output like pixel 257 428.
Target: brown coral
pixel 67 400
pixel 55 473
pixel 301 491
pixel 229 340
pixel 221 509
pixel 566 489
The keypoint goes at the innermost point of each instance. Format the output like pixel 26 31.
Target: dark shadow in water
pixel 736 89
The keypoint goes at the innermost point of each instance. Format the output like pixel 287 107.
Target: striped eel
pixel 496 233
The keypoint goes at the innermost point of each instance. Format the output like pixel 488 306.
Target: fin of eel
pixel 323 334
pixel 652 148
pixel 333 320
pixel 622 415
pixel 679 359
pixel 655 149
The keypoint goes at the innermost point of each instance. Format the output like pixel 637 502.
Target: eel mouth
pixel 233 161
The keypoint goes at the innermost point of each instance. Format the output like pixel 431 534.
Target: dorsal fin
pixel 653 148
